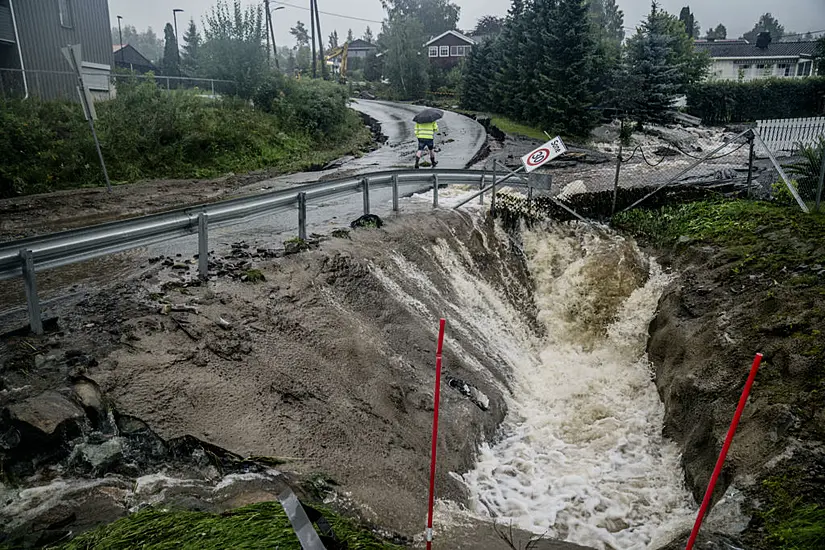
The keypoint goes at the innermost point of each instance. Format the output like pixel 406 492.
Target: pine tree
pixel 653 78
pixel 170 52
pixel 333 40
pixel 566 80
pixel 190 60
pixel 350 38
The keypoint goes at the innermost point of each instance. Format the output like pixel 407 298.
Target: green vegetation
pixel 147 132
pixel 738 225
pixel 263 526
pixel 254 276
pixel 514 128
pixel 790 523
pixel 722 102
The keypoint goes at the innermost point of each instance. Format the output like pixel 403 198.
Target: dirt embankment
pixel 736 297
pixel 322 359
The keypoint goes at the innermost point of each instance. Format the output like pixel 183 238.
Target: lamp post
pixel 120 34
pixel 271 33
pixel 177 42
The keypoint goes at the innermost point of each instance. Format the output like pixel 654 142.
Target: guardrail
pixel 25 257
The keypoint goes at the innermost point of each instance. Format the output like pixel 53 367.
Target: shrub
pixel 726 101
pixel 316 107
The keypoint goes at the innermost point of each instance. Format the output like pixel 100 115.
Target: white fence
pixel 786 135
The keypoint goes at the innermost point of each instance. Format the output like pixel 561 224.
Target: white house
pixel 741 60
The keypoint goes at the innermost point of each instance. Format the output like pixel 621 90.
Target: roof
pixel 741 48
pixel 454 33
pixel 130 56
pixel 359 44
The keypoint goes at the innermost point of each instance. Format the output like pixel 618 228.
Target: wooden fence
pixel 786 135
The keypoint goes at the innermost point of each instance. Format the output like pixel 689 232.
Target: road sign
pixel 544 154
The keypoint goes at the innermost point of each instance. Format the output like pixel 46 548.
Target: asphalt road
pixel 460 139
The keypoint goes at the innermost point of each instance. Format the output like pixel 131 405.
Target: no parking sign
pixel 544 154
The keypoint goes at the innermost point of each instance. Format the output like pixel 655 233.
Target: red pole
pixel 435 433
pixel 723 455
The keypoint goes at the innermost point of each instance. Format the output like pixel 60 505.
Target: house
pixel 130 59
pixel 741 60
pixel 32 34
pixel 449 49
pixel 360 49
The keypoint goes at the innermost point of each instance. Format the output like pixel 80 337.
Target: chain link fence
pixel 103 85
pixel 625 169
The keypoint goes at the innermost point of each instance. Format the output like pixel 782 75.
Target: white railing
pixel 786 135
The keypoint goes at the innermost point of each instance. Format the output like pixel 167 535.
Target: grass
pixel 758 236
pixel 263 526
pixel 514 128
pixel 791 524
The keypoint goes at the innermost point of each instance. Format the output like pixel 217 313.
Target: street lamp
pixel 120 34
pixel 271 32
pixel 177 42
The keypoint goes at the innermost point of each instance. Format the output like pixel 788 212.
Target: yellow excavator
pixel 338 59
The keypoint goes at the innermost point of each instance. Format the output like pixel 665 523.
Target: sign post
pixel 437 399
pixel 74 56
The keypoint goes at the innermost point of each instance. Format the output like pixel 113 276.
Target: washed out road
pixel 460 139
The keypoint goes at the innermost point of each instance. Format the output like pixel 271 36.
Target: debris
pixel 253 276
pixel 45 412
pixel 223 323
pixel 368 221
pixel 341 234
pixel 183 308
pixel 295 246
pixel 186 331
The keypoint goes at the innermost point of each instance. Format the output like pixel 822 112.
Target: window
pixel 445 51
pixel 454 51
pixel 433 51
pixel 463 51
pixel 760 66
pixel 746 67
pixel 65 7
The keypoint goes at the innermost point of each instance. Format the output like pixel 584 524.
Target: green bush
pixel 147 132
pixel 313 106
pixel 727 101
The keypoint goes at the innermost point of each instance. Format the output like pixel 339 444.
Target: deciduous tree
pixel 766 23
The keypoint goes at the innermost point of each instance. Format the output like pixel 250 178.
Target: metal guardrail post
pixel 395 192
pixel 435 191
pixel 821 182
pixel 366 188
pixel 481 186
pixel 30 280
pixel 302 216
pixel 203 245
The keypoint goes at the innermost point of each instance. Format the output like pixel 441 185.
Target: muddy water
pixel 580 456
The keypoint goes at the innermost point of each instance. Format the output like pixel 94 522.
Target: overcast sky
pixel 738 16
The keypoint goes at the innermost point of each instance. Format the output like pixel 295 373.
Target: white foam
pixel 581 456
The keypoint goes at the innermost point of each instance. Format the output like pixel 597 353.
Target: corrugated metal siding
pixel 42 36
pixel 6 27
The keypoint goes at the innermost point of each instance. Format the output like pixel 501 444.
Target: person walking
pixel 425 132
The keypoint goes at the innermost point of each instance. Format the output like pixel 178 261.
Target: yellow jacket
pixel 426 131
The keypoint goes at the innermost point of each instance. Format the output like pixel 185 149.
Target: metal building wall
pixel 42 35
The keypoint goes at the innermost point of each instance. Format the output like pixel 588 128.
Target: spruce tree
pixel 170 52
pixel 653 79
pixel 566 90
pixel 190 60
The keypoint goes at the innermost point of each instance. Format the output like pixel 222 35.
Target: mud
pixel 702 342
pixel 316 364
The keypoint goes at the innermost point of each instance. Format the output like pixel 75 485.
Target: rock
pixel 9 438
pixel 341 234
pixel 666 152
pixel 370 221
pixel 45 412
pixel 97 458
pixel 295 246
pixel 366 95
pixel 223 323
pixel 573 188
pixel 88 394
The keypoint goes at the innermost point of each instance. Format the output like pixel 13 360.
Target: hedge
pixel 726 101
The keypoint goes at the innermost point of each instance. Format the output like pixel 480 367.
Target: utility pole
pixel 270 33
pixel 320 43
pixel 177 41
pixel 312 32
pixel 120 34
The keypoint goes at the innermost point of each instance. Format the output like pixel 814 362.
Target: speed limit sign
pixel 544 154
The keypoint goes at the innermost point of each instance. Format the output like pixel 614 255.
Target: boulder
pixel 368 221
pixel 44 413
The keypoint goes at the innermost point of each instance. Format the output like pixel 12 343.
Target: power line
pixel 329 13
